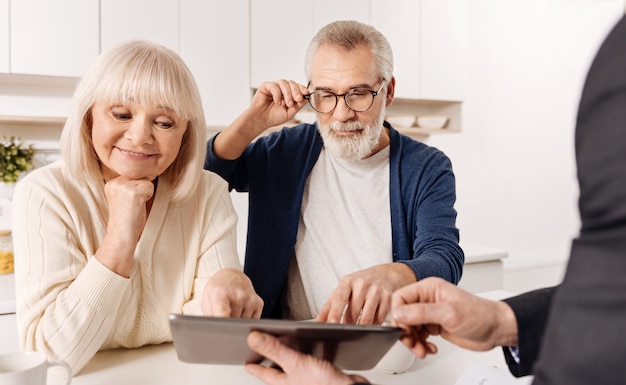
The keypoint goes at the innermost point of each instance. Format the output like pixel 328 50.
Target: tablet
pixel 211 340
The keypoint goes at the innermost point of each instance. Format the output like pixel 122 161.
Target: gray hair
pixel 152 76
pixel 350 34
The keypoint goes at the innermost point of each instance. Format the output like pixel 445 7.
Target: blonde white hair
pixel 350 34
pixel 150 75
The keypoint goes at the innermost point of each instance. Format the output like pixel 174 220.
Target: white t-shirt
pixel 345 226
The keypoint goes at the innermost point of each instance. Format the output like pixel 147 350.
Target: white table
pixel 156 365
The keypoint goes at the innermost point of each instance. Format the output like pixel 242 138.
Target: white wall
pixel 514 160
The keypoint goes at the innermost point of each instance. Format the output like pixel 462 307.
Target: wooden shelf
pixel 414 132
pixel 42 132
pixel 422 132
pixel 52 121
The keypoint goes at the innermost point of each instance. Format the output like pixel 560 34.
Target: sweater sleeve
pixel 531 312
pixel 232 171
pixel 424 203
pixel 218 247
pixel 67 300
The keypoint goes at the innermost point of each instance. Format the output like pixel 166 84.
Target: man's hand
pixel 434 306
pixel 297 368
pixel 274 103
pixel 278 102
pixel 364 297
pixel 229 293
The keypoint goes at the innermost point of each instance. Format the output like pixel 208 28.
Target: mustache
pixel 346 126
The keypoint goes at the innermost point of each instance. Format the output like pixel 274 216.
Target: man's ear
pixel 391 87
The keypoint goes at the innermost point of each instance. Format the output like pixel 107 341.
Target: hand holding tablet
pixel 211 340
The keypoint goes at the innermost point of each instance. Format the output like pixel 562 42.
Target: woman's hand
pixel 229 293
pixel 127 199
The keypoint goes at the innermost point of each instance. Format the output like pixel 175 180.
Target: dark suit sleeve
pixel 531 311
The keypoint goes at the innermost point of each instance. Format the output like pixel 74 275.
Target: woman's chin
pixel 139 176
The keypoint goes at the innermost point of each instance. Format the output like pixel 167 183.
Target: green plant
pixel 15 158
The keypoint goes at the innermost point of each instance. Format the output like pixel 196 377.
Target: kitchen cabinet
pixel 4 36
pixel 428 38
pixel 399 21
pixel 279 33
pixel 282 29
pixel 153 20
pixel 53 37
pixel 215 40
pixel 443 49
pixel 232 47
pixel 326 11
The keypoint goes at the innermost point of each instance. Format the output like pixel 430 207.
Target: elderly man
pixel 572 334
pixel 347 210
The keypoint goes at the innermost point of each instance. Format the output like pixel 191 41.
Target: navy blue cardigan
pixel 273 170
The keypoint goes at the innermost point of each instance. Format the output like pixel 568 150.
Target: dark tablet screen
pixel 209 340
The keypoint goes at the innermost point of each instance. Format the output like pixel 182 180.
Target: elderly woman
pixel 126 228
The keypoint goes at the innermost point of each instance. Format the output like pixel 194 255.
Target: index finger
pixel 298 91
pixel 291 92
pixel 425 290
pixel 335 306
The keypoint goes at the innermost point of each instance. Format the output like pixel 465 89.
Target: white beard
pixel 353 147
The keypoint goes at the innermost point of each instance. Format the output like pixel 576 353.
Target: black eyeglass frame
pixel 374 94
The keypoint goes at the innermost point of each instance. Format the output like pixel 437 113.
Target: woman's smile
pixel 134 153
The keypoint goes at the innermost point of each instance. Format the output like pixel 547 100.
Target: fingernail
pixel 257 339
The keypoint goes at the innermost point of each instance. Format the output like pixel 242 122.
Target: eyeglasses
pixel 357 99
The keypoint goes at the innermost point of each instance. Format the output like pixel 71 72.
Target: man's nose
pixel 342 112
